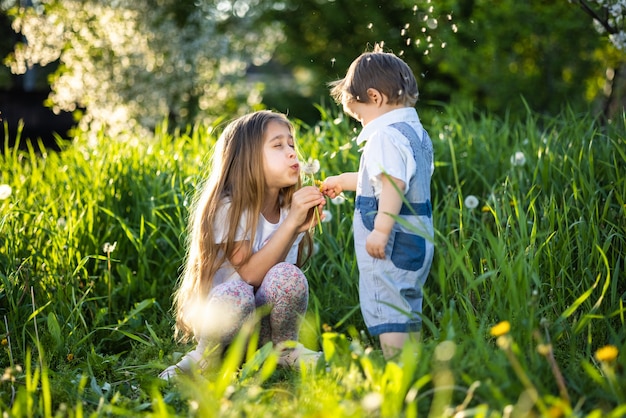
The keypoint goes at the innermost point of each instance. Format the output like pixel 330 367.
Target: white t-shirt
pixel 264 232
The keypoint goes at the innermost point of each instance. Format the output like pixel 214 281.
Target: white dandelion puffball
pixel 310 167
pixel 339 200
pixel 5 191
pixel 518 159
pixel 328 216
pixel 108 248
pixel 471 202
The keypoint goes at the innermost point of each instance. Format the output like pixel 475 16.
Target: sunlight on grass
pixel 523 312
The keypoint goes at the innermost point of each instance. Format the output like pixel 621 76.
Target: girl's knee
pixel 288 276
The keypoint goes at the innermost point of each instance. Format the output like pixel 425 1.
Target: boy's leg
pixel 392 343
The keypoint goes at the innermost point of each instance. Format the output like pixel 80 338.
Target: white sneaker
pixel 190 361
pixel 294 357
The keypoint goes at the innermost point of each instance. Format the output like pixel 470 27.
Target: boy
pixel 393 182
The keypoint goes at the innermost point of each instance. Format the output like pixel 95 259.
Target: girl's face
pixel 280 163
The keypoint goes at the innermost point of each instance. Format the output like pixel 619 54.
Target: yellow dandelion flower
pixel 556 411
pixel 607 353
pixel 500 329
pixel 485 209
pixel 70 357
pixel 5 341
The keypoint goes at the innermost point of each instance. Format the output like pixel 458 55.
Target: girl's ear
pixel 375 96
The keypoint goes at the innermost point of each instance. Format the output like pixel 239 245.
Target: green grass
pixel 85 331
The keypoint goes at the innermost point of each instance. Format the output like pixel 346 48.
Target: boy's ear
pixel 375 96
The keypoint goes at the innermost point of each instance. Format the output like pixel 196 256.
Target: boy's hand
pixel 331 186
pixel 375 244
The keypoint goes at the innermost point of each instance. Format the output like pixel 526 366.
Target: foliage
pixel 459 50
pixel 128 64
pixel 524 307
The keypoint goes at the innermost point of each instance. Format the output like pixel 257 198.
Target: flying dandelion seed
pixel 443 45
pixel 455 28
pixel 432 23
pixel 5 191
pixel 471 202
pixel 332 62
pixel 370 25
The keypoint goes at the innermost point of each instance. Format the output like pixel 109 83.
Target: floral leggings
pixel 284 290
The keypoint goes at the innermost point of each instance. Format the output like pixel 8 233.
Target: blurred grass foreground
pixel 524 312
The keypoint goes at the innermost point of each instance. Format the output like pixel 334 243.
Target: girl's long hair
pixel 237 175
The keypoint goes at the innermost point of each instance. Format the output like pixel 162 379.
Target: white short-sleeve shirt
pixel 386 150
pixel 264 232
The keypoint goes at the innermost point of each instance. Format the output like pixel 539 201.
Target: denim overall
pixel 391 289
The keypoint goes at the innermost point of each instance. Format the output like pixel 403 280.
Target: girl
pixel 248 233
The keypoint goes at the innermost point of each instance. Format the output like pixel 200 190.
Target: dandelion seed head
pixel 210 319
pixel 372 401
pixel 471 202
pixel 518 159
pixel 310 167
pixel 328 216
pixel 108 248
pixel 5 191
pixel 339 200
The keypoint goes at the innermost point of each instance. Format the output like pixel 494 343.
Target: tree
pixel 125 65
pixel 490 54
pixel 609 18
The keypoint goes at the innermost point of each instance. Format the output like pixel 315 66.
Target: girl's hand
pixel 303 204
pixel 331 187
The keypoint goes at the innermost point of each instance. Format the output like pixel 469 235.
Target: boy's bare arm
pixel 334 185
pixel 390 202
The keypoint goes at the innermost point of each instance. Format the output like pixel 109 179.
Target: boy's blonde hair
pixel 379 70
pixel 236 174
